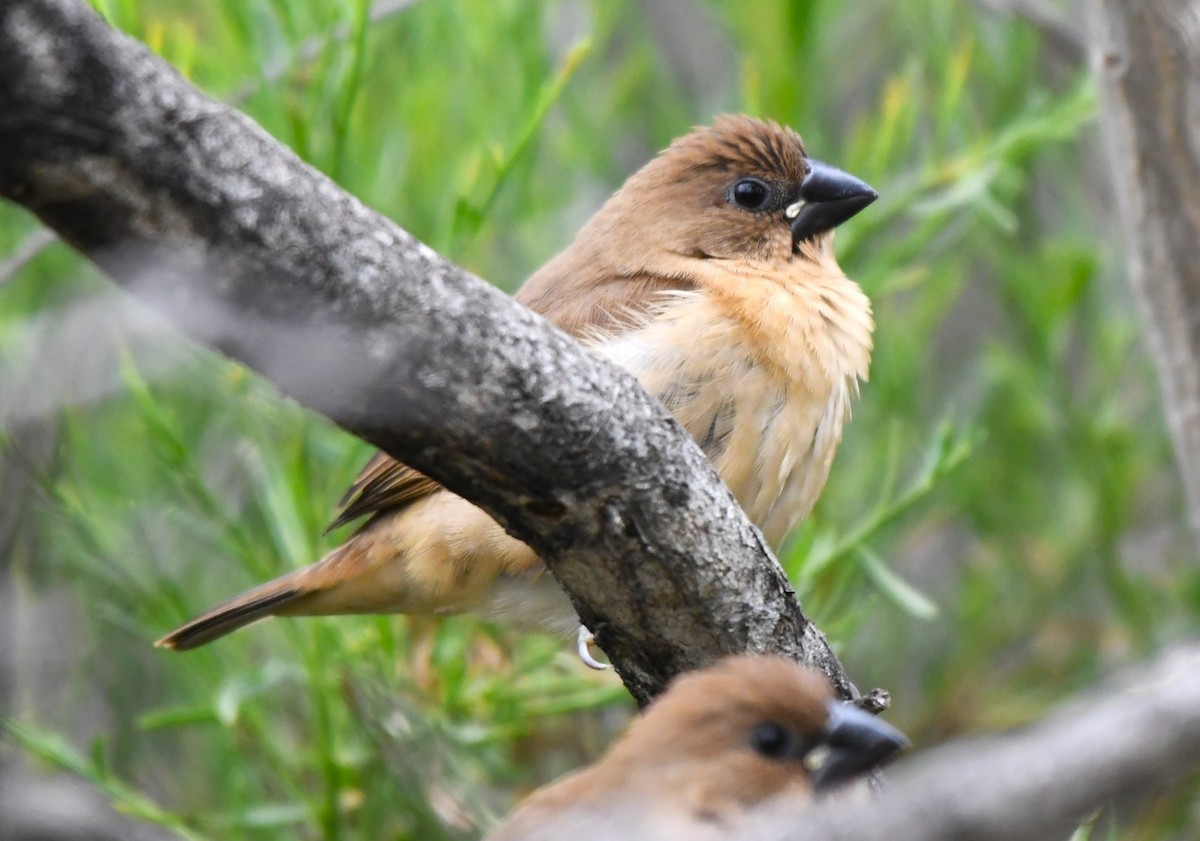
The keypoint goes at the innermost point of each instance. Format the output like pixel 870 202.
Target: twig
pixel 33 245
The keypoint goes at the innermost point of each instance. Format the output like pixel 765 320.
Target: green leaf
pixel 898 591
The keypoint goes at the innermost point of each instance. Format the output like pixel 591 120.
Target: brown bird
pixel 747 736
pixel 710 276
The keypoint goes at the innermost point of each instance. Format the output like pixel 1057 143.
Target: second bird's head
pixel 740 189
pixel 752 728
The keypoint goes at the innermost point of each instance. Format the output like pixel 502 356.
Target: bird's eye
pixel 750 193
pixel 774 741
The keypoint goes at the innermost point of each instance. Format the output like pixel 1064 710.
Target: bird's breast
pixel 764 390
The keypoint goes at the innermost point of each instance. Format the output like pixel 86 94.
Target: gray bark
pixel 1147 58
pixel 191 206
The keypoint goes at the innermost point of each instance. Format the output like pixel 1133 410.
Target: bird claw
pixel 585 641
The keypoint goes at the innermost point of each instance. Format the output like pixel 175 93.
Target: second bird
pixel 709 276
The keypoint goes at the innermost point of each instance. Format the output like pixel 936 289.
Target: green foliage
pixel 1001 526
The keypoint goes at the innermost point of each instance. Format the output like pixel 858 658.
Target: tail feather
pixel 238 612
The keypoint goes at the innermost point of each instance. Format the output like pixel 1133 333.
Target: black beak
pixel 856 742
pixel 828 197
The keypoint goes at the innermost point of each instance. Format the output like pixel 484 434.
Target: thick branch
pixel 1147 57
pixel 192 207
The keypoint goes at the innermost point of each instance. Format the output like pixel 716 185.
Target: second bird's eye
pixel 750 193
pixel 774 741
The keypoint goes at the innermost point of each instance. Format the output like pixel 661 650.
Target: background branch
pixel 1140 737
pixel 190 206
pixel 1147 58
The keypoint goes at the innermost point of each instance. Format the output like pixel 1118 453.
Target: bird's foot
pixel 585 641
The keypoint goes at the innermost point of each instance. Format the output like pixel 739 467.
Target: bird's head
pixel 753 736
pixel 740 189
pixel 752 728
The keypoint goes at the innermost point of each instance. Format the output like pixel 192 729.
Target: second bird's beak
pixel 853 742
pixel 828 197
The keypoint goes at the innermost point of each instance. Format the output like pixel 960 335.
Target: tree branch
pixel 1147 58
pixel 193 208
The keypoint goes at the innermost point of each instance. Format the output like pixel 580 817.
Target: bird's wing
pixel 384 483
pixel 586 309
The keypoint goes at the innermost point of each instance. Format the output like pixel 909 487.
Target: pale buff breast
pixel 763 382
pixel 763 378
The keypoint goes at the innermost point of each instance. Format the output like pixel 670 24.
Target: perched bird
pixel 710 276
pixel 752 734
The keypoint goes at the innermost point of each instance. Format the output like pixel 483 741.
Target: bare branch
pixel 1147 58
pixel 1044 781
pixel 1139 738
pixel 192 207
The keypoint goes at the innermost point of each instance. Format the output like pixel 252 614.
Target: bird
pixel 719 747
pixel 710 276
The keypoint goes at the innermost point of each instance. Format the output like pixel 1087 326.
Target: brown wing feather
pixel 383 484
pixel 582 291
pixel 568 293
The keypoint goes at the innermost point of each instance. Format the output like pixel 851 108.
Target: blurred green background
pixel 1003 525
